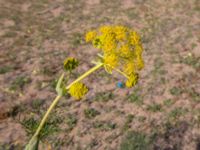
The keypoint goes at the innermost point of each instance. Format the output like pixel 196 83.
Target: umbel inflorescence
pixel 120 49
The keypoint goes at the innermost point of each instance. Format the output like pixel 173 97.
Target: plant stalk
pixel 55 101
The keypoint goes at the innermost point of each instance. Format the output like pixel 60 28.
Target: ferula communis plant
pixel 120 49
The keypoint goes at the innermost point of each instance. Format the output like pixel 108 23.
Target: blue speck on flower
pixel 120 84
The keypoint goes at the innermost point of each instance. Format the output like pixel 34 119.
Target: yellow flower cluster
pixel 78 90
pixel 121 49
pixel 132 80
pixel 90 36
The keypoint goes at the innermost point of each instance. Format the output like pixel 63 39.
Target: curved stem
pixel 121 72
pixel 55 101
pixel 86 74
pixel 118 70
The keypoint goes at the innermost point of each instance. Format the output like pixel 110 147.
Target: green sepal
pixel 60 88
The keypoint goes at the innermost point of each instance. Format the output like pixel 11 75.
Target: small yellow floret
pixel 140 63
pixel 105 29
pixel 78 90
pixel 132 80
pixel 109 43
pixel 129 68
pixel 90 36
pixel 125 51
pixel 120 32
pixel 134 38
pixel 111 61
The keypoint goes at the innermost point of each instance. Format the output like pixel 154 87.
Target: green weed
pixel 103 125
pixel 193 45
pixel 177 112
pixel 191 60
pixel 37 103
pixel 49 128
pixel 158 67
pixel 135 98
pixel 77 39
pixel 19 83
pixel 71 121
pixel 16 110
pixel 194 95
pixel 128 121
pixel 176 91
pixel 168 102
pixel 141 118
pixel 135 141
pixel 104 96
pixel 91 113
pixel 9 146
pixel 154 108
pixel 5 69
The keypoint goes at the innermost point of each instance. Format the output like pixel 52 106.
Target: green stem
pixel 121 72
pixel 55 101
pixel 86 74
pixel 125 75
pixel 58 98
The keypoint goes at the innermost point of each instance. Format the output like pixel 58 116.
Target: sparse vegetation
pixel 91 113
pixel 105 126
pixel 141 118
pixel 71 121
pixel 176 91
pixel 168 102
pixel 177 112
pixel 154 108
pixel 104 96
pixel 5 69
pixel 36 36
pixel 135 98
pixel 136 141
pixel 31 125
pixel 128 122
pixel 191 60
pixel 19 83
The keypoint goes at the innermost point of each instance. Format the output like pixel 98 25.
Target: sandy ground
pixel 35 38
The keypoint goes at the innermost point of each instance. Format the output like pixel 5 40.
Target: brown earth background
pixel 163 109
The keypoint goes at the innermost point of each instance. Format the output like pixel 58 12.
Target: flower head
pixel 132 80
pixel 129 68
pixel 121 49
pixel 125 51
pixel 121 32
pixel 90 36
pixel 111 61
pixel 78 90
